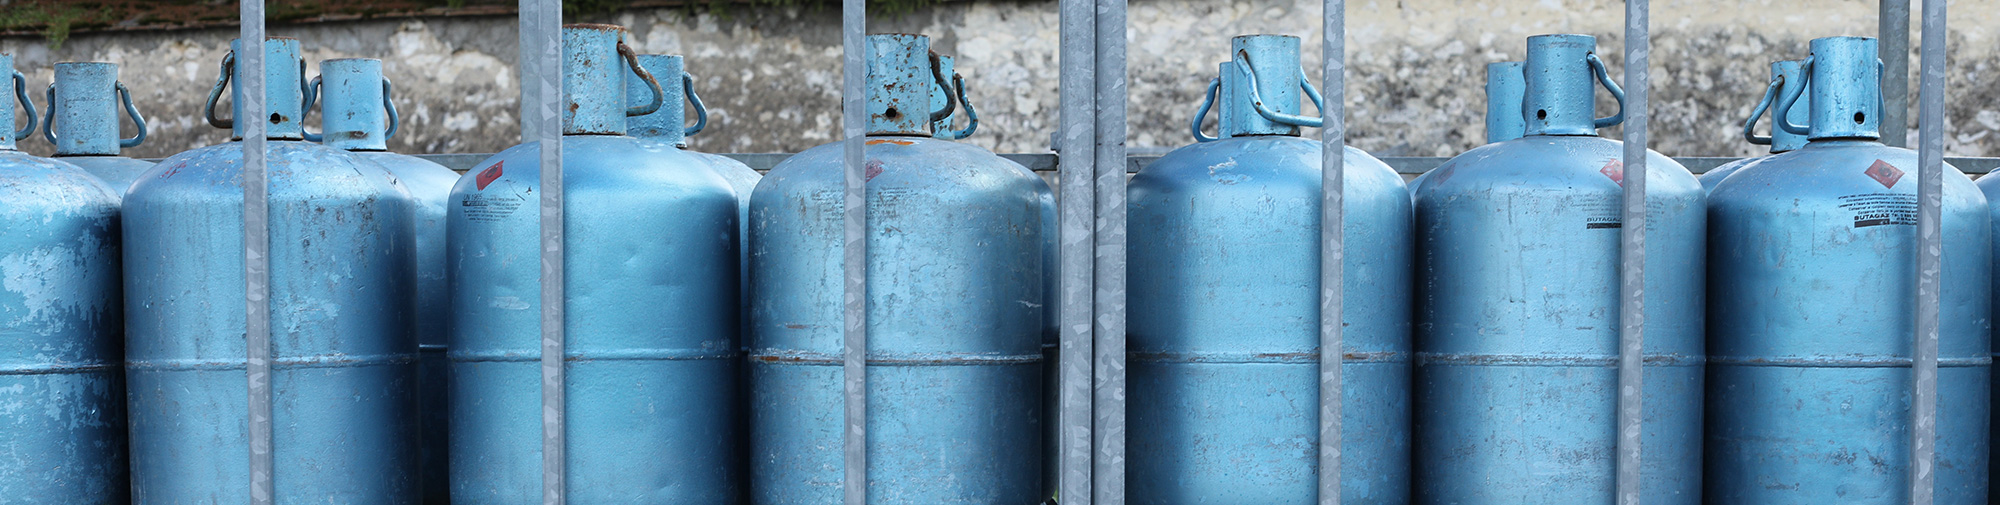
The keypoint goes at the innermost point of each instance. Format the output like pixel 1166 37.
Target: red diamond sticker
pixel 1884 173
pixel 489 174
pixel 1615 170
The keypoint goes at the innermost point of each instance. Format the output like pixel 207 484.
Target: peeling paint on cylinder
pixel 1517 309
pixel 1224 314
pixel 343 376
pixel 955 313
pixel 354 99
pixel 83 123
pixel 1812 283
pixel 653 402
pixel 61 390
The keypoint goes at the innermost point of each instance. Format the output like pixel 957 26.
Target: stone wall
pixel 771 77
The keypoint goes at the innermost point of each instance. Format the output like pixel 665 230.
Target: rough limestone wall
pixel 771 78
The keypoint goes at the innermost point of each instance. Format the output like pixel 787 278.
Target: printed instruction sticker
pixel 1878 209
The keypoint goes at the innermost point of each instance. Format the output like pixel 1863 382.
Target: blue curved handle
pixel 700 111
pixel 1213 85
pixel 1749 127
pixel 632 60
pixel 21 93
pixel 49 117
pixel 972 116
pixel 215 94
pixel 395 119
pixel 138 120
pixel 1604 77
pixel 1782 118
pixel 312 96
pixel 1257 100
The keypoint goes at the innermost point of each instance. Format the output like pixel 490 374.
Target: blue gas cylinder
pixel 360 118
pixel 1785 77
pixel 650 249
pixel 343 376
pixel 62 398
pixel 82 122
pixel 1517 307
pixel 1224 306
pixel 1811 300
pixel 955 322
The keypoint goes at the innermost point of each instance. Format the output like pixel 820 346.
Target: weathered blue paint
pixel 359 118
pixel 1517 309
pixel 1505 85
pixel 82 122
pixel 1811 315
pixel 651 332
pixel 62 399
pixel 27 109
pixel 901 78
pixel 955 313
pixel 669 123
pixel 343 379
pixel 945 97
pixel 1989 186
pixel 1785 77
pixel 1224 366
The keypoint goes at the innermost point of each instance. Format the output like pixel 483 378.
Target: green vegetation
pixel 53 21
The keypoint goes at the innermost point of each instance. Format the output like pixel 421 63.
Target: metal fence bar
pixel 1893 28
pixel 1332 248
pixel 541 43
pixel 763 162
pixel 1632 254
pixel 1077 142
pixel 1930 183
pixel 1108 483
pixel 854 250
pixel 256 250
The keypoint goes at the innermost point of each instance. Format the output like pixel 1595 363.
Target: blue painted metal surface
pixel 62 398
pixel 955 312
pixel 1517 308
pixel 1505 85
pixel 1785 77
pixel 1224 308
pixel 343 379
pixel 1812 320
pixel 945 97
pixel 82 122
pixel 360 117
pixel 651 327
pixel 669 126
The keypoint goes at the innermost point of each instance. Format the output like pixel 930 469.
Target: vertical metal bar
pixel 1108 467
pixel 1332 247
pixel 1930 184
pixel 854 250
pixel 541 44
pixel 256 249
pixel 1077 145
pixel 1893 27
pixel 1632 254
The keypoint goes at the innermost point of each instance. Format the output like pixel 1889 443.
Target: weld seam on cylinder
pixel 56 368
pixel 1593 360
pixel 1853 362
pixel 940 359
pixel 526 356
pixel 1302 358
pixel 325 361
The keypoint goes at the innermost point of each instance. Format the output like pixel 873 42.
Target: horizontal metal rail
pixel 1047 162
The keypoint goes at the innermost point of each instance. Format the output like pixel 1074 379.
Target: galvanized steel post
pixel 1108 284
pixel 854 250
pixel 256 249
pixel 1077 146
pixel 1332 250
pixel 1632 257
pixel 1893 30
pixel 541 59
pixel 1930 247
